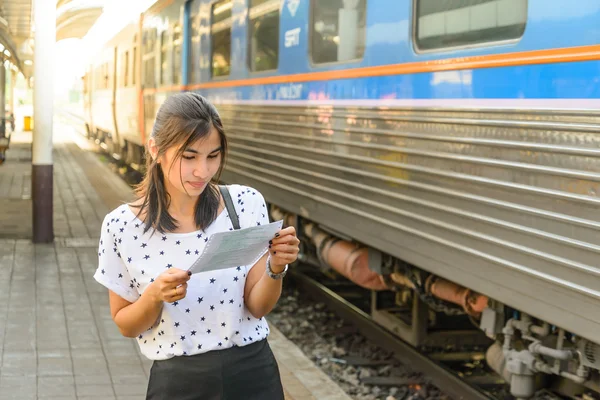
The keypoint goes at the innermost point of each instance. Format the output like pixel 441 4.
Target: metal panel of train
pixel 457 136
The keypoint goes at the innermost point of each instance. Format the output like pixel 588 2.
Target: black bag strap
pixel 229 205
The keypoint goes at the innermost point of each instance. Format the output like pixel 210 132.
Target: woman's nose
pixel 201 169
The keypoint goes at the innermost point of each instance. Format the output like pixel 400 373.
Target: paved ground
pixel 57 339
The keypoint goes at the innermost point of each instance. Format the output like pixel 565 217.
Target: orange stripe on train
pixel 549 56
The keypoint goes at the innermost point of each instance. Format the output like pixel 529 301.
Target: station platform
pixel 57 338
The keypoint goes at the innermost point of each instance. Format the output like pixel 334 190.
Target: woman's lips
pixel 196 185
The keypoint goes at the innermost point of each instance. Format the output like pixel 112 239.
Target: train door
pixel 88 88
pixel 116 142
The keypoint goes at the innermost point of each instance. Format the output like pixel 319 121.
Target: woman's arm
pixel 135 318
pixel 261 292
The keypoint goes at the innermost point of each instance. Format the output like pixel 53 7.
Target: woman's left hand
pixel 283 248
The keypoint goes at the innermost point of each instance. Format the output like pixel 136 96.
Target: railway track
pixel 442 377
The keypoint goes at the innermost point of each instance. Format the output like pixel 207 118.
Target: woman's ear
pixel 152 148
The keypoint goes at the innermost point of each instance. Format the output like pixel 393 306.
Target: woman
pixel 205 332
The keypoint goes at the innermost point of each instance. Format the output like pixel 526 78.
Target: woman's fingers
pixel 284 248
pixel 171 294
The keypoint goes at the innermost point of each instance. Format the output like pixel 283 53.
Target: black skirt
pixel 248 372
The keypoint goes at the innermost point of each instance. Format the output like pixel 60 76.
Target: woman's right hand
pixel 171 285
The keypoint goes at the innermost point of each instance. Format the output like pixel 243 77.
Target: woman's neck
pixel 182 206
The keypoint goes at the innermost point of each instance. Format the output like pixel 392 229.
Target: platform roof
pixel 74 18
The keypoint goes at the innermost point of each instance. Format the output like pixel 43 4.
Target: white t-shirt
pixel 213 315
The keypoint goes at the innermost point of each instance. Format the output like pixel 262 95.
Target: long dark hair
pixel 181 120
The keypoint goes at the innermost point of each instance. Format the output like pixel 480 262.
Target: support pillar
pixel 11 95
pixel 3 98
pixel 43 112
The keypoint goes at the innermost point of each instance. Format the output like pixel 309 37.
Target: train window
pixel 221 38
pixel 86 82
pixel 134 61
pixel 263 35
pixel 126 72
pixel 194 58
pixel 453 23
pixel 164 48
pixel 176 54
pixel 148 58
pixel 338 30
pixel 106 76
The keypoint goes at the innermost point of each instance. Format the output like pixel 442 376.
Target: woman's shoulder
pixel 120 213
pixel 243 190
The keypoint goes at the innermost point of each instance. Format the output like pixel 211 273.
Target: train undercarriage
pixel 431 312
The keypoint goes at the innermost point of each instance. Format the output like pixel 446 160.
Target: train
pixel 442 154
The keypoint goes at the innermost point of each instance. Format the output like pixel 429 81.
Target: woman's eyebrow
pixel 196 152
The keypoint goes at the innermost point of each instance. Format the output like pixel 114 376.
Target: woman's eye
pixel 215 156
pixel 188 158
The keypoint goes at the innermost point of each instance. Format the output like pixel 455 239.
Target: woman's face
pixel 190 174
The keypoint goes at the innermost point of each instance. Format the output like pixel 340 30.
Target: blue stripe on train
pixel 549 81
